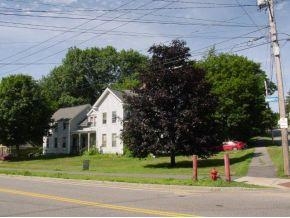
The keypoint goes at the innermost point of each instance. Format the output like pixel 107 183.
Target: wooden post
pixel 227 167
pixel 194 167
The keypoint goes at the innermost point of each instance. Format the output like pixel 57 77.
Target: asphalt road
pixel 33 196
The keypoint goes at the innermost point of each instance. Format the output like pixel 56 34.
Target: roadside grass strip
pixel 95 204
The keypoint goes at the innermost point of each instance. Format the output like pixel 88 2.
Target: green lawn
pixel 127 169
pixel 275 153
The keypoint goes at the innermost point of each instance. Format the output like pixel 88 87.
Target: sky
pixel 36 34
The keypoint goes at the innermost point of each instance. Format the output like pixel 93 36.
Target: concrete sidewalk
pixel 261 164
pixel 263 172
pixel 268 182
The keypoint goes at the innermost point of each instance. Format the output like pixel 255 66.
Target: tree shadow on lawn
pixel 202 163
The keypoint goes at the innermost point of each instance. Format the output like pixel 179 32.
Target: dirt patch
pixel 287 184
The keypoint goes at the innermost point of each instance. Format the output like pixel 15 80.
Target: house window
pixel 55 127
pixel 114 140
pixel 114 117
pixel 104 118
pixel 64 142
pixel 55 142
pixel 104 140
pixel 64 125
pixel 95 121
pixel 47 142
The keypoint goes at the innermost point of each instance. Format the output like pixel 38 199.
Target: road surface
pixel 34 196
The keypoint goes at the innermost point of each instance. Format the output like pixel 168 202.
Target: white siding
pixel 109 104
pixel 60 133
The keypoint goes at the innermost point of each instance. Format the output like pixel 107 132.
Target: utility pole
pixel 276 52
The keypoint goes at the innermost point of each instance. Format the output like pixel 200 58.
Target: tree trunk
pixel 172 159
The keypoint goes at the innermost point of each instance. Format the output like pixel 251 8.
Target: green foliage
pixel 84 74
pixel 92 151
pixel 126 83
pixel 276 156
pixel 124 169
pixel 24 112
pixel 239 85
pixel 171 112
pixel 127 152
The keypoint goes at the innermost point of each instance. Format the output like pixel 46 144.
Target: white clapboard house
pixel 83 127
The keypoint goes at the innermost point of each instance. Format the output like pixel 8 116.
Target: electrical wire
pixel 94 36
pixel 58 35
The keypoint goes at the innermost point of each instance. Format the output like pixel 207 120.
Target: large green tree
pixel 24 112
pixel 84 74
pixel 170 113
pixel 239 84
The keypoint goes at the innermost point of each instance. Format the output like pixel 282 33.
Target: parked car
pixel 6 157
pixel 233 145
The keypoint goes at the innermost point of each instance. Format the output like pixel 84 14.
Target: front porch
pixel 83 140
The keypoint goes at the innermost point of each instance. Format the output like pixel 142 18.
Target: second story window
pixel 104 118
pixel 55 127
pixel 64 125
pixel 114 117
pixel 95 121
pixel 55 142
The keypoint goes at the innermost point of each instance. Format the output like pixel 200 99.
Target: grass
pixel 127 169
pixel 275 153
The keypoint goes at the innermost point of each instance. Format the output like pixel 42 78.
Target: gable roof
pixel 118 94
pixel 69 112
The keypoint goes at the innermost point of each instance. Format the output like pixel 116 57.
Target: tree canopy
pixel 239 85
pixel 84 74
pixel 170 112
pixel 24 112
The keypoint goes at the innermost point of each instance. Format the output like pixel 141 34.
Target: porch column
pixel 89 141
pixel 79 142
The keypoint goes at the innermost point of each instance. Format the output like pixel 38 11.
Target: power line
pixel 156 15
pixel 125 20
pixel 204 3
pixel 118 33
pixel 194 53
pixel 97 36
pixel 225 41
pixel 246 12
pixel 53 37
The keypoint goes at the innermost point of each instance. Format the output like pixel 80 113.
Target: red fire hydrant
pixel 214 174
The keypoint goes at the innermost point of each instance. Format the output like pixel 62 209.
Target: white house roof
pixel 69 112
pixel 118 94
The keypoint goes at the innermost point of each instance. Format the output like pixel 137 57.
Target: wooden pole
pixel 227 167
pixel 194 167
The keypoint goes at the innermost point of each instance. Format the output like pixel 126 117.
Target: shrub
pixel 92 151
